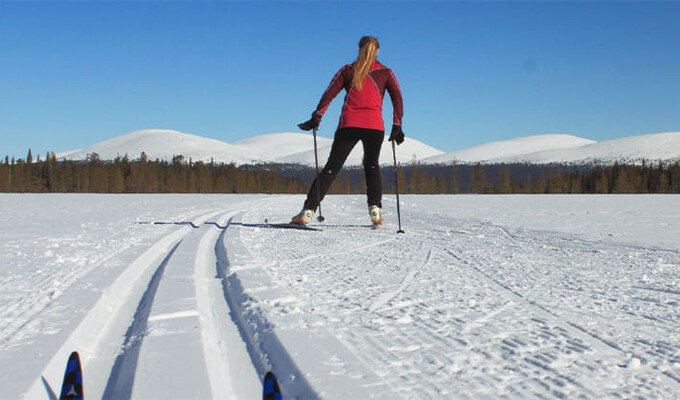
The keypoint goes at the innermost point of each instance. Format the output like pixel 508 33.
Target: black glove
pixel 312 123
pixel 397 134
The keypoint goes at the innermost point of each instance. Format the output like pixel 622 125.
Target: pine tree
pixel 675 178
pixel 504 185
pixel 441 187
pixel 401 180
pixel 602 183
pixel 541 185
pixel 478 179
pixel 557 183
pixel 453 179
pixel 623 184
pixel 29 157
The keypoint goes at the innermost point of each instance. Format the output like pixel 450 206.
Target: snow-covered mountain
pixel 163 144
pixel 512 149
pixel 660 146
pixel 556 148
pixel 299 148
pixel 276 147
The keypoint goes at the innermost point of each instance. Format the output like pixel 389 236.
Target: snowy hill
pixel 299 148
pixel 276 147
pixel 511 149
pixel 164 144
pixel 408 151
pixel 544 149
pixel 661 146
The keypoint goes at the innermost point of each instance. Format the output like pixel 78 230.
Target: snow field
pixel 483 297
pixel 466 309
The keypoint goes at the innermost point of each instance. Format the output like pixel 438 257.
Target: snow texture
pixel 192 296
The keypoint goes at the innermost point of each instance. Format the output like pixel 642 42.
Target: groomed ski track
pixel 454 308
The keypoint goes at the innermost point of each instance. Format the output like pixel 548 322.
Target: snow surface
pixel 483 297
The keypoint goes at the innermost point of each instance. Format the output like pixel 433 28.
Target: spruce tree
pixel 675 177
pixel 623 184
pixel 504 185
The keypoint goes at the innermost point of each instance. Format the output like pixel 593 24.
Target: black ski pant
pixel 343 143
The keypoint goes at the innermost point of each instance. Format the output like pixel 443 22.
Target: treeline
pixel 140 176
pixel 539 179
pixel 186 176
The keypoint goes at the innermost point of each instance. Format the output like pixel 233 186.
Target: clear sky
pixel 76 73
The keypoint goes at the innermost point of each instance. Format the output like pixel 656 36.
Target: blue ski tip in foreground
pixel 72 388
pixel 271 389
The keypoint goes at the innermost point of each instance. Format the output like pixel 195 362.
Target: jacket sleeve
pixel 336 85
pixel 395 96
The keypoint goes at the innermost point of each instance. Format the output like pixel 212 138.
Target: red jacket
pixel 363 109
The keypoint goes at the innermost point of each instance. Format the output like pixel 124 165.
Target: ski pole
pixel 320 218
pixel 396 185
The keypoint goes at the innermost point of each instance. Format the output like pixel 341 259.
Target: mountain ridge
pixel 298 148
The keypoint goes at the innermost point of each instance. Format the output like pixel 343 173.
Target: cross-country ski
pixel 290 225
pixel 271 389
pixel 72 386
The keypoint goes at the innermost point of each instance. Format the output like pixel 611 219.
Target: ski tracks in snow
pixel 163 328
pixel 410 277
pixel 579 295
pixel 452 309
pixel 464 309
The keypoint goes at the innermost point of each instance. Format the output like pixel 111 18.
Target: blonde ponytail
pixel 368 53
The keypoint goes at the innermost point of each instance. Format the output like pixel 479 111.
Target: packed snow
pixel 193 296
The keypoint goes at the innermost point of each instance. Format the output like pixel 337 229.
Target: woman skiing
pixel 365 82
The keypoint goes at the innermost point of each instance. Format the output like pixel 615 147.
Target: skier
pixel 365 82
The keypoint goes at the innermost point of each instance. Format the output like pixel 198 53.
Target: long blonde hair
pixel 368 53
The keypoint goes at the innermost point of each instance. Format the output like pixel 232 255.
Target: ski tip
pixel 271 389
pixel 72 387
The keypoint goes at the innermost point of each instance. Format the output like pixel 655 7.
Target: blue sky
pixel 76 73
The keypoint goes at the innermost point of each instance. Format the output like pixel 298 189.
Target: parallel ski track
pixel 265 349
pixel 122 377
pixel 94 334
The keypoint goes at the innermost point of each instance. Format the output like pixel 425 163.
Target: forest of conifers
pixel 142 175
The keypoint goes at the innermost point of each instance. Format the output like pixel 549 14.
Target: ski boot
pixel 303 217
pixel 376 216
